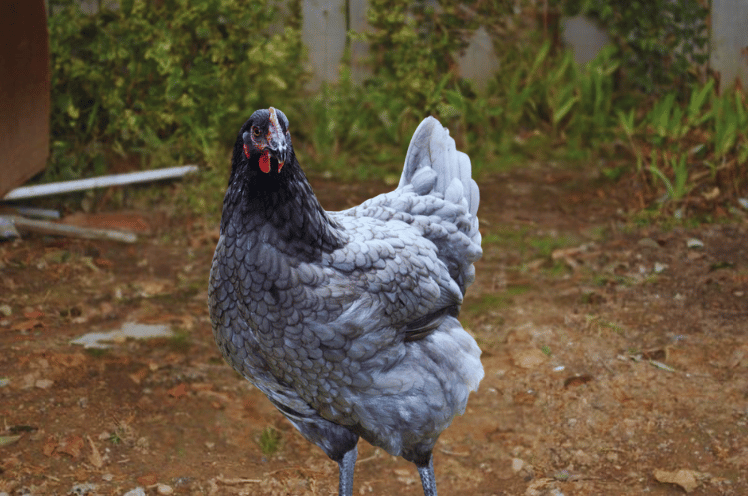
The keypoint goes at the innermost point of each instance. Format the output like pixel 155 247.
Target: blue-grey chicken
pixel 347 321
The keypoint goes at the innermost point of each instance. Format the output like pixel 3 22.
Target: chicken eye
pixel 256 132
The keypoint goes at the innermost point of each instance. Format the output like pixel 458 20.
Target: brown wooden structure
pixel 24 91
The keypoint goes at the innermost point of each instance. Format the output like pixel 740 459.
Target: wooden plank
pixel 99 182
pixel 57 229
pixel 24 92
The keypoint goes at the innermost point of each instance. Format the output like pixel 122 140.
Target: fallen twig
pixel 236 481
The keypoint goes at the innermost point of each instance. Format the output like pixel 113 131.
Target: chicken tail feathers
pixel 433 165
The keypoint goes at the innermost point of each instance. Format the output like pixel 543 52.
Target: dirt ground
pixel 616 361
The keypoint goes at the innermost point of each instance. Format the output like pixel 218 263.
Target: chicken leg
pixel 345 467
pixel 428 481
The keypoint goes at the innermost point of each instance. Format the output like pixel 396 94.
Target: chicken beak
pixel 276 140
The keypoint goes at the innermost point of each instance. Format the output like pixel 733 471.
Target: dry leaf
pixel 684 478
pixel 577 380
pixel 27 325
pixel 137 377
pixel 178 391
pixel 741 459
pixel 50 445
pixel 95 457
pixel 6 440
pixel 147 479
pixel 71 445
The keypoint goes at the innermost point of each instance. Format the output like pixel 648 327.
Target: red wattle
pixel 246 150
pixel 265 162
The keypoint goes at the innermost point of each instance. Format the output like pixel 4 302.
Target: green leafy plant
pixel 678 188
pixel 696 102
pixel 698 142
pixel 173 77
pixel 664 43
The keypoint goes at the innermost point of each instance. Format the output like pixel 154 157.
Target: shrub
pixel 663 41
pixel 175 78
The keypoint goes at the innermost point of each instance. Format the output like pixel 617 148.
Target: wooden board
pixel 24 92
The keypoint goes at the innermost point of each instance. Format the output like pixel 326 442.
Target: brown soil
pixel 615 357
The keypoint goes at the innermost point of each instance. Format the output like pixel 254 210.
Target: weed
pixel 97 352
pixel 269 441
pixel 545 245
pixel 517 289
pixel 601 324
pixel 558 269
pixel 678 188
pixel 180 342
pixel 488 302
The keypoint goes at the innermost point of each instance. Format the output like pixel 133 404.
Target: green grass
pixel 518 289
pixel 97 352
pixel 270 441
pixel 487 302
pixel 180 342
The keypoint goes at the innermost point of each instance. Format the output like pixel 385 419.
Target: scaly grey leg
pixel 428 481
pixel 346 466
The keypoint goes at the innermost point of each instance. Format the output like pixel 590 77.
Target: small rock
pixel 27 381
pixel 517 464
pixel 83 489
pixel 529 359
pixel 6 310
pixel 107 477
pixel 583 458
pixel 164 489
pixel 659 267
pixel 138 491
pixel 684 478
pixel 743 202
pixel 44 383
pixel 183 481
pixel 648 243
pixel 695 243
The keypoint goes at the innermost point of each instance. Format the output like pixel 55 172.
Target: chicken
pixel 347 320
